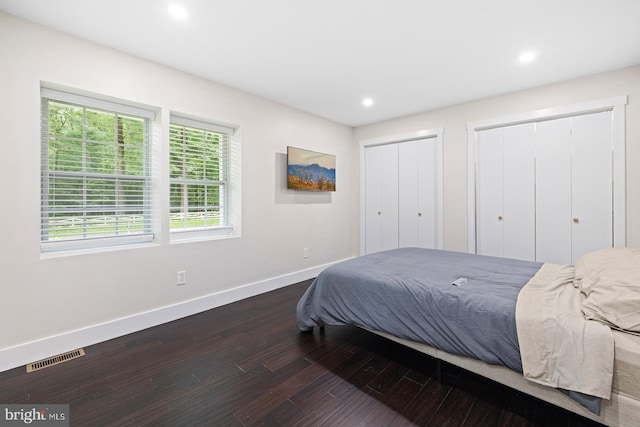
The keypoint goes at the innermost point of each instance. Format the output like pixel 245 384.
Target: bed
pixel 557 332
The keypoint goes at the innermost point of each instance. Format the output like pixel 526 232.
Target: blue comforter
pixel 410 293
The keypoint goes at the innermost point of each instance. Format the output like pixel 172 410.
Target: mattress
pixel 626 374
pixel 419 295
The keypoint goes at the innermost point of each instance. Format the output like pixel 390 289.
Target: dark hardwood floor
pixel 246 364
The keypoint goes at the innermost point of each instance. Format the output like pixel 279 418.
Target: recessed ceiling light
pixel 178 11
pixel 367 102
pixel 527 57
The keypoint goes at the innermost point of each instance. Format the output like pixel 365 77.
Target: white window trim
pixel 87 245
pixel 89 101
pixel 214 232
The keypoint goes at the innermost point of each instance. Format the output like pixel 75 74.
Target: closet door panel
pixel 427 193
pixel 381 198
pixel 519 192
pixel 382 173
pixel 408 194
pixel 592 181
pixel 553 191
pixel 489 192
pixel 373 206
pixel 389 197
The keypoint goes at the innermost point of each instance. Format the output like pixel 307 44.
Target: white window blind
pixel 198 161
pixel 96 178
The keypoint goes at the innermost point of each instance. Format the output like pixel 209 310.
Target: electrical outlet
pixel 305 252
pixel 181 278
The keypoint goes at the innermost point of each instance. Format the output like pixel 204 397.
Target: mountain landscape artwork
pixel 311 171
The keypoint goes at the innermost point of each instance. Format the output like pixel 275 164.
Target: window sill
pixel 94 250
pixel 199 235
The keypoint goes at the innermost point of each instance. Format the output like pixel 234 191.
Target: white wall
pixel 41 298
pixel 454 120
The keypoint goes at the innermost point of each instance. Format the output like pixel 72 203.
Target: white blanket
pixel 558 346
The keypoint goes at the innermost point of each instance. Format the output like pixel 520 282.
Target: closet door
pixel 381 198
pixel 574 187
pixel 592 183
pixel 505 192
pixel 578 183
pixel 417 193
pixel 489 192
pixel 553 191
pixel 519 193
pixel 428 192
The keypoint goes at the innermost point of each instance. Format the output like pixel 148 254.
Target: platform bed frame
pixel 619 411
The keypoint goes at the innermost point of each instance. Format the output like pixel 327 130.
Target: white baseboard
pixel 23 354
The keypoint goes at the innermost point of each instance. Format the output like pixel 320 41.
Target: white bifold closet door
pixel 381 198
pixel 574 187
pixel 505 192
pixel 417 193
pixel 544 190
pixel 402 192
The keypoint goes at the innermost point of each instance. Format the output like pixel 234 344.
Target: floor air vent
pixel 54 360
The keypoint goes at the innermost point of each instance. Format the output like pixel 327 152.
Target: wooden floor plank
pixel 454 409
pixel 426 402
pixel 487 407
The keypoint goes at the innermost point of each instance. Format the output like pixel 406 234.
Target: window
pixel 96 177
pixel 198 162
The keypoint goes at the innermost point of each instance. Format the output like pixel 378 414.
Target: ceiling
pixel 325 57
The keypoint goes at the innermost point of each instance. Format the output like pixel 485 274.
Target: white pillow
pixel 610 279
